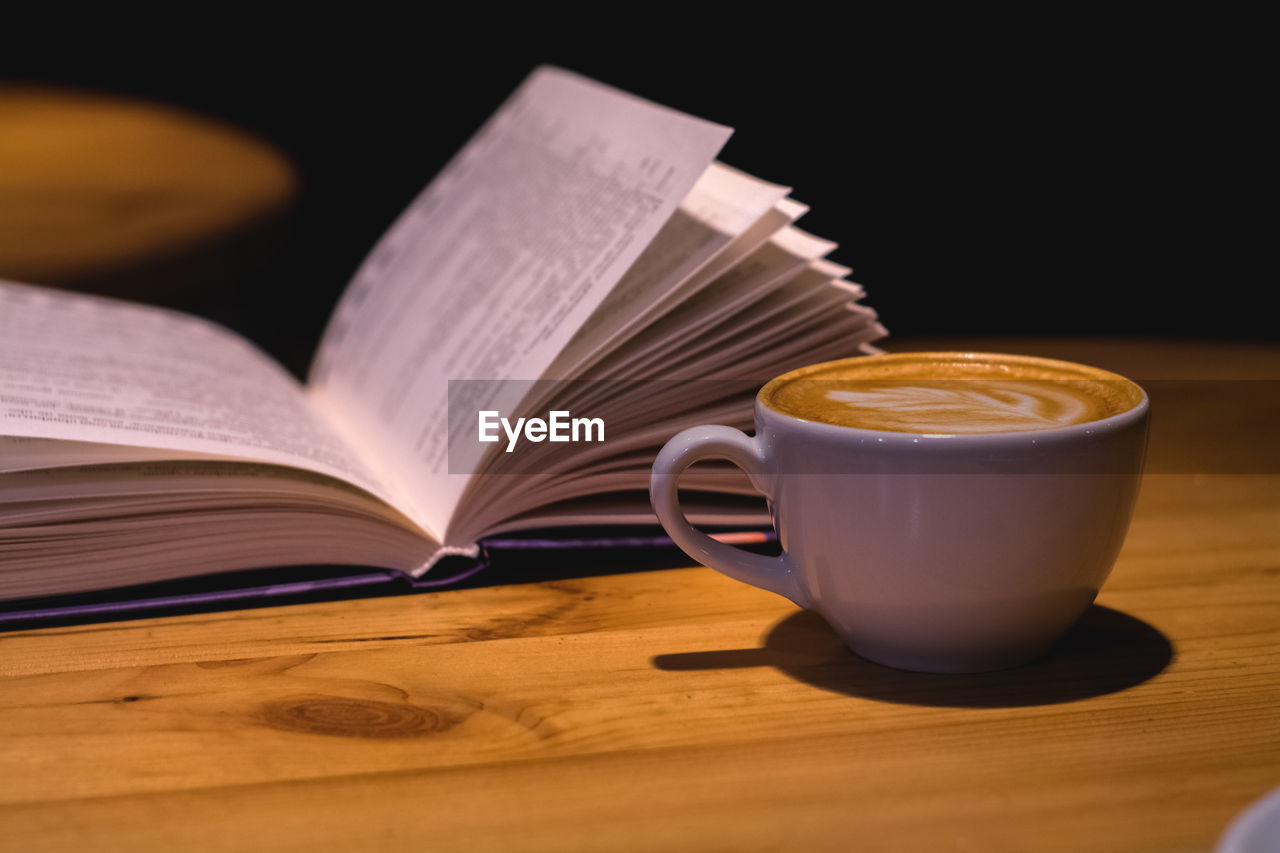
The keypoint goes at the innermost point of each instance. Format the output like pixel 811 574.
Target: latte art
pixel 963 406
pixel 951 393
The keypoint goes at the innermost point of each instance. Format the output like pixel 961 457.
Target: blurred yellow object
pixel 109 194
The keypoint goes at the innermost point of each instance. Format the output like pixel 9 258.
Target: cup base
pixel 951 663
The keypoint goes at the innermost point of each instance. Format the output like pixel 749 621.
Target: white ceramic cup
pixel 936 553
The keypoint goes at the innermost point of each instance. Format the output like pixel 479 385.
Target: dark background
pixel 998 174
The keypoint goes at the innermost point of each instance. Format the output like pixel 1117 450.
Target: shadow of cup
pixel 1106 651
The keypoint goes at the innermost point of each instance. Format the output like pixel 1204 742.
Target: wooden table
pixel 679 709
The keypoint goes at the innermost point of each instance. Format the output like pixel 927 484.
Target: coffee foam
pixel 951 393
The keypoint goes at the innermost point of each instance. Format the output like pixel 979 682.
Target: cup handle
pixel 775 574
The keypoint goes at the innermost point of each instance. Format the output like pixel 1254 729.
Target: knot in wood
pixel 343 716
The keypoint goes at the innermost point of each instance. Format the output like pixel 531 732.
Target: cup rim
pixel 1086 428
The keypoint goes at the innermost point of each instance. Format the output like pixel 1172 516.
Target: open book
pixel 583 263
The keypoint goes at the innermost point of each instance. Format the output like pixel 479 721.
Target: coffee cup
pixel 944 512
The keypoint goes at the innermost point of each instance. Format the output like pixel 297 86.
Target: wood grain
pixel 658 710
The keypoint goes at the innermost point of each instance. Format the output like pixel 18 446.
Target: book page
pixel 722 206
pixel 77 529
pixel 88 369
pixel 20 453
pixel 498 263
